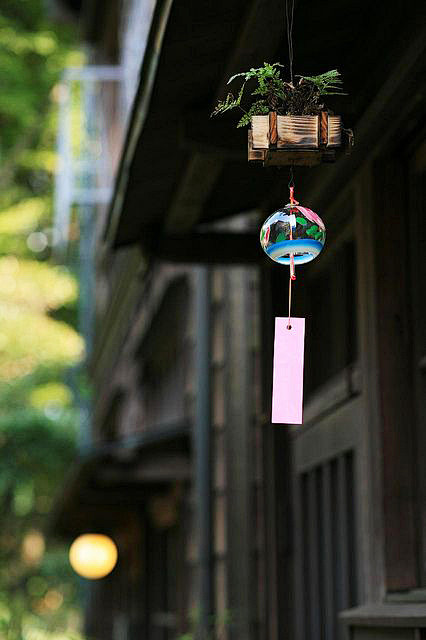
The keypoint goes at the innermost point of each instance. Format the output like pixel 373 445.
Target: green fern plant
pixel 270 87
pixel 275 94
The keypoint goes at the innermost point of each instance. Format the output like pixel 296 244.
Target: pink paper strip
pixel 287 390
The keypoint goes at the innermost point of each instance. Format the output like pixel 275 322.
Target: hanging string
pixel 292 201
pixel 292 268
pixel 289 304
pixel 289 13
pixel 291 180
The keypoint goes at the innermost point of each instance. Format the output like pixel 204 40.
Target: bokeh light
pixel 93 555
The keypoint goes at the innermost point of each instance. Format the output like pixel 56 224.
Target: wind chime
pixel 293 235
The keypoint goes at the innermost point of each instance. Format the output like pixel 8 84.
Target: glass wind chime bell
pixel 292 236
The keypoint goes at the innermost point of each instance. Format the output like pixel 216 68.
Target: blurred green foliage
pixel 33 52
pixel 37 588
pixel 38 338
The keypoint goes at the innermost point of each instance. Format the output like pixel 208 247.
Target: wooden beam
pixel 400 616
pixel 140 112
pixel 195 187
pixel 211 248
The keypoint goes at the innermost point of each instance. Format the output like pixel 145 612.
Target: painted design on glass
pixel 293 231
pixel 264 236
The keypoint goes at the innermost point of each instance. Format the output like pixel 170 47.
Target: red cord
pixel 292 269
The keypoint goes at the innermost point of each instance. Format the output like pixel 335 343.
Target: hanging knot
pixel 292 198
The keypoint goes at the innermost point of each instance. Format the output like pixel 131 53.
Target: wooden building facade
pixel 229 526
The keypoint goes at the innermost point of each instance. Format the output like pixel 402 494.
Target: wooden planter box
pixel 290 140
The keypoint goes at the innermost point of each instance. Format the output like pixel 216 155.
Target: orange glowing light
pixel 93 555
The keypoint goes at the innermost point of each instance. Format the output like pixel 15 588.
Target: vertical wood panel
pixel 202 440
pixel 342 539
pixel 369 459
pixel 260 132
pixel 326 556
pixel 329 550
pixel 313 558
pixel 334 133
pixel 306 608
pixel 324 127
pixel 394 346
pixel 300 548
pixel 239 427
pixel 335 535
pixel 417 224
pixel 351 528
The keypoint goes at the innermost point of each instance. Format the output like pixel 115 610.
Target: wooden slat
pixel 297 131
pixel 300 157
pixel 328 551
pixel 342 590
pixel 254 155
pixel 324 128
pixel 260 132
pixel 299 554
pixel 351 489
pixel 313 558
pixel 306 609
pixel 384 634
pixel 389 615
pixel 334 136
pixel 273 157
pixel 273 133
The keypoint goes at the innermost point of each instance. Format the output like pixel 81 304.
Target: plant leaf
pixel 328 83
